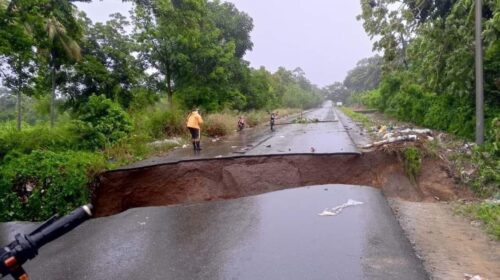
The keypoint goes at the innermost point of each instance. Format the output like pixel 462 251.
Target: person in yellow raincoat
pixel 194 122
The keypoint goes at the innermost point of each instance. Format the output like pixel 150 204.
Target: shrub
pixel 412 163
pixel 101 122
pixel 165 123
pixel 371 99
pixel 219 124
pixel 141 98
pixel 35 138
pixel 35 186
pixel 494 136
pixel 254 118
pixel 487 212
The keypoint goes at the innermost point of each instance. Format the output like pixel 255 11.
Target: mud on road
pixel 228 178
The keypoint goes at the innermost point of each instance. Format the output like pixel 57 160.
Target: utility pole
pixel 479 76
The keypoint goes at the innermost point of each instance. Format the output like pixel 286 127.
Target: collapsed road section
pixel 228 178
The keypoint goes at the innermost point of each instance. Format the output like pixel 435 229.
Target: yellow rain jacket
pixel 194 120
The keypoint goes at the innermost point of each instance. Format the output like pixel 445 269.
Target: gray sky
pixel 322 37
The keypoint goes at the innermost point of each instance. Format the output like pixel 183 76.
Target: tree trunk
pixel 169 89
pixel 403 51
pixel 53 94
pixel 19 109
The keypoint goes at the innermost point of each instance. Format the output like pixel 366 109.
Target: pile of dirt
pixel 205 180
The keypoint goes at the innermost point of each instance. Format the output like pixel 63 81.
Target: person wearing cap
pixel 194 122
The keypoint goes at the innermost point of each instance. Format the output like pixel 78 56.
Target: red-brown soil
pixel 204 180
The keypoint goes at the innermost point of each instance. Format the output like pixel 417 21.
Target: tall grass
pixel 220 124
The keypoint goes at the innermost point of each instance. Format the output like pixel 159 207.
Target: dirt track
pixel 205 180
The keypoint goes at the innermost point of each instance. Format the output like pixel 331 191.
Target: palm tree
pixel 60 46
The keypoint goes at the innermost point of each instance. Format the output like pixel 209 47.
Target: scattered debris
pixel 417 131
pixel 473 277
pixel 172 141
pixel 394 135
pixel 303 120
pixel 336 210
pixel 382 129
pixel 475 223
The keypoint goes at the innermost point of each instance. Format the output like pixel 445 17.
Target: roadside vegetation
pixel 425 77
pixel 487 212
pixel 78 97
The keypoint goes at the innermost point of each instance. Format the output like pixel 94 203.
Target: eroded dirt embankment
pixel 204 180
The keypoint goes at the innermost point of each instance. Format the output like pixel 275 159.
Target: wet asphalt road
pixel 327 136
pixel 276 235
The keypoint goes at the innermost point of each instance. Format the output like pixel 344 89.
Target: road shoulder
pixel 450 246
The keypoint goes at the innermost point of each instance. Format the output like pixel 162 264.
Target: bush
pixel 489 213
pixel 161 123
pixel 142 98
pixel 220 124
pixel 101 122
pixel 254 118
pixel 35 138
pixel 35 186
pixel 486 180
pixel 412 163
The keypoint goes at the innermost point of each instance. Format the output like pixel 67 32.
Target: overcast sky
pixel 322 37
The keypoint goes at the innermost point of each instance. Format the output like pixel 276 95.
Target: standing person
pixel 241 123
pixel 194 122
pixel 272 120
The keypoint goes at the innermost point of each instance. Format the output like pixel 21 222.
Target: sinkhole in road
pixel 229 178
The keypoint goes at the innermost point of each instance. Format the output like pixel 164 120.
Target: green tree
pixel 166 31
pixel 234 25
pixel 337 92
pixel 189 53
pixel 60 44
pixel 108 66
pixel 365 76
pixel 17 65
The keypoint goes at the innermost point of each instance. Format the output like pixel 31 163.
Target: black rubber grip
pixel 60 226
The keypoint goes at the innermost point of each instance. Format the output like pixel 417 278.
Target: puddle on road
pixel 229 178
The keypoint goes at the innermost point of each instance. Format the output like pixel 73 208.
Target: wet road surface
pixel 326 136
pixel 277 235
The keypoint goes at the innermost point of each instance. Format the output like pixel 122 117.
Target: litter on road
pixel 336 210
pixel 473 277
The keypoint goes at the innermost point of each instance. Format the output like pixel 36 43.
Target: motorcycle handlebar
pixel 26 246
pixel 59 227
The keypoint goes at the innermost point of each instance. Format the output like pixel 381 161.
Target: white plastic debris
pixel 336 210
pixel 473 277
pixel 418 131
pixel 172 141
